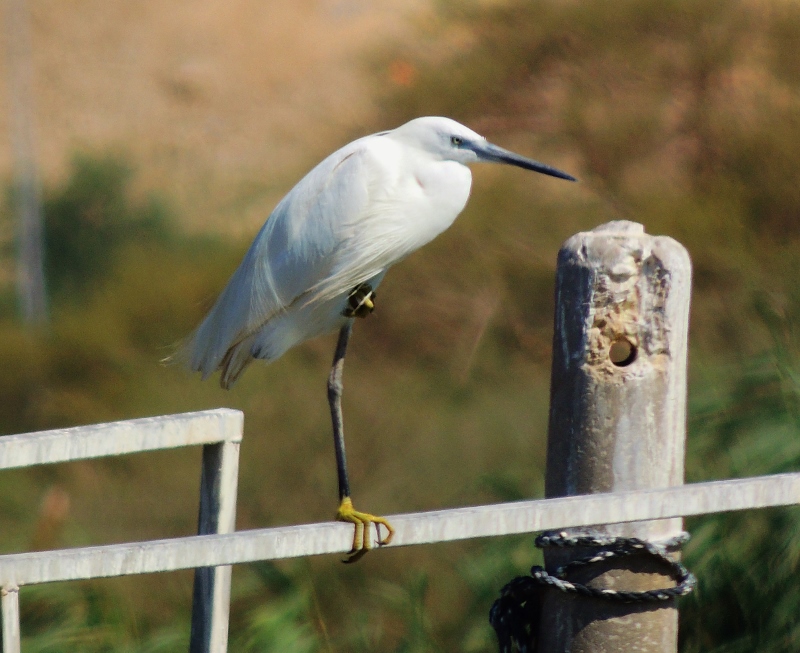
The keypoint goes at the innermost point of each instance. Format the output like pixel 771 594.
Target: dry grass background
pixel 221 102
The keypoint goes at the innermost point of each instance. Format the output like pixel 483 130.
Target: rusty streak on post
pixel 617 421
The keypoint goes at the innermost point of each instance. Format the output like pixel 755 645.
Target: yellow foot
pixel 362 521
pixel 360 301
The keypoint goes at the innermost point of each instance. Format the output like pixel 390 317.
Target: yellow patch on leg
pixel 360 301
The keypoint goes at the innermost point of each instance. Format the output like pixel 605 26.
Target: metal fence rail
pixel 117 438
pixel 217 547
pixel 218 431
pixel 414 528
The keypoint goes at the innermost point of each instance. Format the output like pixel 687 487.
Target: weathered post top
pixel 617 418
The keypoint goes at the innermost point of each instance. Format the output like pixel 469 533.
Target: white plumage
pixel 361 210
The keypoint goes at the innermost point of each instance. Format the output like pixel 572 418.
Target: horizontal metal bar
pixel 419 528
pixel 114 438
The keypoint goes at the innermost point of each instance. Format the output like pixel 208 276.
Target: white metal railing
pixel 21 569
pixel 220 433
pixel 219 550
pixel 117 438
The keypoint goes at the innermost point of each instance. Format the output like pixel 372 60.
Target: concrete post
pixel 617 422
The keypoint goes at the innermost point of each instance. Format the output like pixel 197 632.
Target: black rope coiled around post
pixel 515 615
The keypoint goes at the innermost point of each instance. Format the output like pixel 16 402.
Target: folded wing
pixel 313 247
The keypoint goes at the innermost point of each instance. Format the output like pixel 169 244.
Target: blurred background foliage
pixel 684 116
pixel 89 219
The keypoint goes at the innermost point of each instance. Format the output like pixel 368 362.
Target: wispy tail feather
pixel 181 353
pixel 233 363
pixel 236 360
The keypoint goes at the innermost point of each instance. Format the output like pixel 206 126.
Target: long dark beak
pixel 488 152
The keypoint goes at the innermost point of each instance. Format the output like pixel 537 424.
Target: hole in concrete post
pixel 622 352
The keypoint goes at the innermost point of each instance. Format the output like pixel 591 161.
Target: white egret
pixel 315 264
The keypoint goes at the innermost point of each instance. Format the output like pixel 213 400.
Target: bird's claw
pixel 362 522
pixel 360 301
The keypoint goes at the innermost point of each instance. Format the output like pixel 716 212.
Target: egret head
pixel 451 141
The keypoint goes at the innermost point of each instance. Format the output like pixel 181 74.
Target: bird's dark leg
pixel 335 400
pixel 346 512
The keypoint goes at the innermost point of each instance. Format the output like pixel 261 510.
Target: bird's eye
pixel 456 141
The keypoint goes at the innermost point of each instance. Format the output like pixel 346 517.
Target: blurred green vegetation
pixel 684 116
pixel 745 420
pixel 90 218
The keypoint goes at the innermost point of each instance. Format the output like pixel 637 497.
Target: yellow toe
pixel 362 522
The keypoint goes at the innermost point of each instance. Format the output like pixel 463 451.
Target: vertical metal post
pixel 212 585
pixel 27 192
pixel 617 421
pixel 10 609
